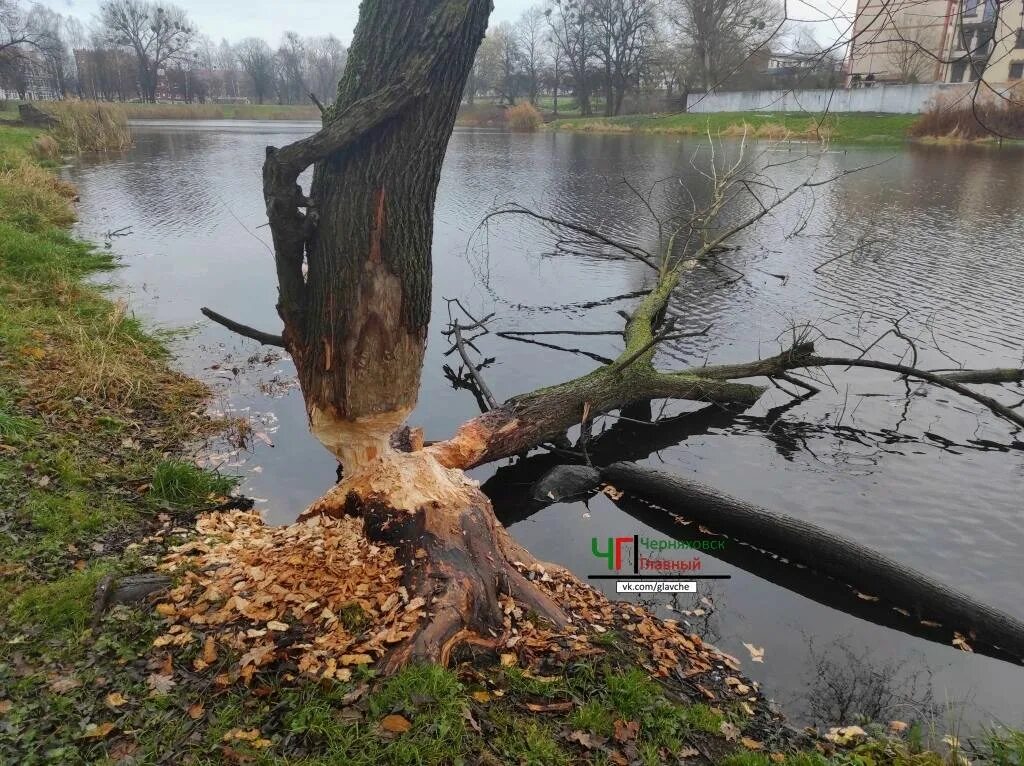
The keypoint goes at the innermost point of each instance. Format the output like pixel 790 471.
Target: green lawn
pixel 843 128
pixel 222 111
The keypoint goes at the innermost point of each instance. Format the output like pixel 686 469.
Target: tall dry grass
pixel 89 126
pixel 985 117
pixel 523 118
pixel 34 198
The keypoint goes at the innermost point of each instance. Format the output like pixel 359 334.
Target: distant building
pixel 25 77
pixel 900 41
pixel 987 42
pixel 791 63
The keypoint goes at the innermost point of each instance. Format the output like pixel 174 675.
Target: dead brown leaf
pixel 63 684
pixel 729 731
pixel 196 711
pixel 751 744
pixel 587 740
pixel 396 724
pixel 549 707
pixel 115 699
pixel 159 683
pixel 626 732
pixel 209 650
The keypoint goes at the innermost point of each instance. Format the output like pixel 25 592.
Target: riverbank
pixel 92 429
pixel 222 111
pixel 840 128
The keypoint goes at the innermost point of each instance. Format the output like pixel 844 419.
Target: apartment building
pixel 900 41
pixel 987 42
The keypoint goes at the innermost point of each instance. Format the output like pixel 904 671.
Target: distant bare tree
pixel 625 30
pixel 530 31
pixel 572 29
pixel 291 74
pixel 509 60
pixel 555 71
pixel 722 34
pixel 16 28
pixel 156 35
pixel 912 51
pixel 325 57
pixel 257 60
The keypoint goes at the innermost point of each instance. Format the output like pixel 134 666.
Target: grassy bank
pixel 221 111
pixel 842 128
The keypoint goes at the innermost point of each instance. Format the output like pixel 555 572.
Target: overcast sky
pixel 235 19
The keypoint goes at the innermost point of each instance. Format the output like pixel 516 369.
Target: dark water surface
pixel 930 480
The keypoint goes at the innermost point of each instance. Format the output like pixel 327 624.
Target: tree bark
pixel 354 272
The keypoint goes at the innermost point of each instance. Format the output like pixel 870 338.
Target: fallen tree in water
pixel 808 545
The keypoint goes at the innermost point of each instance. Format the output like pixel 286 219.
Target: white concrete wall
pixel 892 99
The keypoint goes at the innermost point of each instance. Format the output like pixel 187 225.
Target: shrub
pixel 46 148
pixel 524 117
pixel 89 126
pixel 969 119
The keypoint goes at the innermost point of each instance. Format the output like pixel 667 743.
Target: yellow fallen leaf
pixel 356 659
pixel 277 626
pixel 756 654
pixel 243 735
pixel 778 757
pixel 508 660
pixel 196 711
pixel 751 744
pixel 116 699
pixel 482 696
pixel 98 731
pixel 395 724
pixel 844 735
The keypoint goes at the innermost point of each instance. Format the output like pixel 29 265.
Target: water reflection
pixel 927 480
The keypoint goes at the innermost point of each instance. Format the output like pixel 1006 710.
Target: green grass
pixel 183 484
pixel 222 111
pixel 61 605
pixel 840 128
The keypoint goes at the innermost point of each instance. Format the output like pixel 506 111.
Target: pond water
pixel 930 237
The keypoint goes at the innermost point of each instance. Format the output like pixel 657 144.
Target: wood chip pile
pixel 318 595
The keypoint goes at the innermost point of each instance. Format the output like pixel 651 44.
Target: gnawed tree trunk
pixel 355 322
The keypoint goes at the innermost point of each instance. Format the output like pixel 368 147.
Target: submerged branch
pixel 266 338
